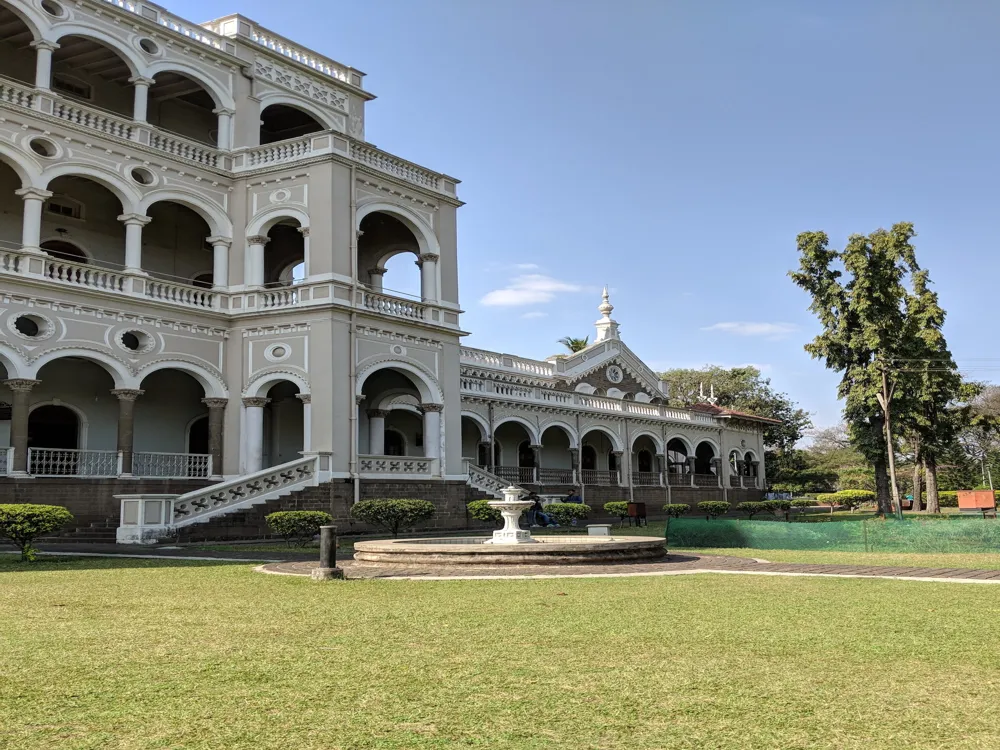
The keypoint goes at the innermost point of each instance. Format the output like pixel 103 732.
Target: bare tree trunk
pixel 882 495
pixel 916 479
pixel 930 472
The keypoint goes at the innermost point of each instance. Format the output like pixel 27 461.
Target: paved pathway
pixel 674 564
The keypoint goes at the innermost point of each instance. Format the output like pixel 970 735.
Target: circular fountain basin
pixel 547 550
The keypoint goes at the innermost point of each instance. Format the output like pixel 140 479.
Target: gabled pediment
pixel 601 364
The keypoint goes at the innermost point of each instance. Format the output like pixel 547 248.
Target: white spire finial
pixel 606 327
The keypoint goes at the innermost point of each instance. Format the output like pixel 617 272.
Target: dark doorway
pixel 53 427
pixel 588 458
pixel 198 436
pixel 394 445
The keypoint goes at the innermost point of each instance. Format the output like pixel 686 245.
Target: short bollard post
pixel 327 569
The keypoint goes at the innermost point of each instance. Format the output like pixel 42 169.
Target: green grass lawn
pixel 111 654
pixel 982 561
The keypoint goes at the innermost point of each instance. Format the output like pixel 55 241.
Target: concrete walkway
pixel 674 564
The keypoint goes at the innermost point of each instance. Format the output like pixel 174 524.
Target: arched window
pixel 64 251
pixel 203 281
pixel 677 456
pixel 734 458
pixel 749 469
pixel 703 456
pixel 394 443
pixel 588 458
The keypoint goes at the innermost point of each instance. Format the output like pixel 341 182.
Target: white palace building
pixel 194 329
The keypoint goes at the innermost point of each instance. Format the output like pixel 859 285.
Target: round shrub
pixel 393 514
pixel 853 498
pixel 778 506
pixel 676 510
pixel 713 508
pixel 481 510
pixel 948 499
pixel 827 498
pixel 22 524
pixel 803 502
pixel 617 508
pixel 300 525
pixel 566 513
pixel 751 508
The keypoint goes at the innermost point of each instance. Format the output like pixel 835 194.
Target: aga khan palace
pixel 199 320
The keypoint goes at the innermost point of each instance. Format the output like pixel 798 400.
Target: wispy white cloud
pixel 746 328
pixel 535 314
pixel 526 266
pixel 528 289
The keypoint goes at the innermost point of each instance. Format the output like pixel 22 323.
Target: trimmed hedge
pixel 778 505
pixel 853 498
pixel 481 510
pixel 300 525
pixel 804 502
pixel 24 523
pixel 751 508
pixel 713 508
pixel 676 510
pixel 566 513
pixel 393 514
pixel 617 508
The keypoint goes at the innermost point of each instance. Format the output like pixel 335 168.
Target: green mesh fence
pixel 932 535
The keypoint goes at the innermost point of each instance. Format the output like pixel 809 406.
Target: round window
pixel 149 46
pixel 43 147
pixel 27 326
pixel 53 8
pixel 31 326
pixel 138 342
pixel 130 341
pixel 143 176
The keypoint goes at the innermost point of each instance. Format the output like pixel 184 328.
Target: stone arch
pixel 261 382
pixel 715 445
pixel 271 98
pixel 128 195
pixel 62 30
pixel 267 218
pixel 481 423
pixel 29 16
pixel 88 256
pixel 574 439
pixel 213 385
pixel 615 439
pixel 426 384
pixel 222 98
pixel 657 439
pixel 23 165
pixel 115 367
pixel 687 443
pixel 216 218
pixel 82 423
pixel 528 426
pixel 424 234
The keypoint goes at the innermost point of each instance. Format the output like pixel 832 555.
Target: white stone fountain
pixel 511 508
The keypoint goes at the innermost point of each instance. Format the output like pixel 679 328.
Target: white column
pixel 224 141
pixel 376 275
pixel 31 228
pixel 253 432
pixel 306 399
pixel 304 231
pixel 428 277
pixel 220 261
pixel 43 63
pixel 253 273
pixel 140 101
pixel 376 432
pixel 432 430
pixel 133 241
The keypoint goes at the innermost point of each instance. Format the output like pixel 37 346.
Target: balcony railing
pixel 515 474
pixel 60 462
pixel 601 478
pixel 172 465
pixel 6 461
pixel 397 307
pixel 395 465
pixel 646 479
pixel 93 119
pixel 556 476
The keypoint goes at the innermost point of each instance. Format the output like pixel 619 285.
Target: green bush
pixel 22 524
pixel 853 498
pixel 948 499
pixel 676 510
pixel 827 498
pixel 300 525
pixel 751 508
pixel 393 514
pixel 566 513
pixel 778 505
pixel 713 508
pixel 481 510
pixel 617 508
pixel 803 502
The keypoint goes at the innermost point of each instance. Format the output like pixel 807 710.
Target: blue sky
pixel 673 150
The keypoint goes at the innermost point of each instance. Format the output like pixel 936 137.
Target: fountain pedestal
pixel 510 509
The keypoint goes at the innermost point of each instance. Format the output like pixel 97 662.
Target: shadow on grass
pixel 11 563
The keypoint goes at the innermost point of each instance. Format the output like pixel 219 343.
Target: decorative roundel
pixel 31 326
pixel 278 352
pixel 281 196
pixel 135 341
pixel 743 444
pixel 398 350
pixel 614 374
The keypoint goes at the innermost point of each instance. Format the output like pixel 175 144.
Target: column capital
pixel 377 413
pixel 429 258
pixel 432 407
pixel 256 401
pixel 44 44
pixel 33 193
pixel 618 454
pixel 215 403
pixel 21 384
pixel 126 394
pixel 141 81
pixel 134 220
pixel 218 240
pixel 258 239
pixel 360 399
pixel 304 231
pixel 537 447
pixel 305 398
pixel 377 271
pixel 223 111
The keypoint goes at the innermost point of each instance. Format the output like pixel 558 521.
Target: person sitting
pixel 537 515
pixel 572 497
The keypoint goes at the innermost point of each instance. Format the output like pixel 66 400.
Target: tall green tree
pixel 862 310
pixel 574 345
pixel 744 389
